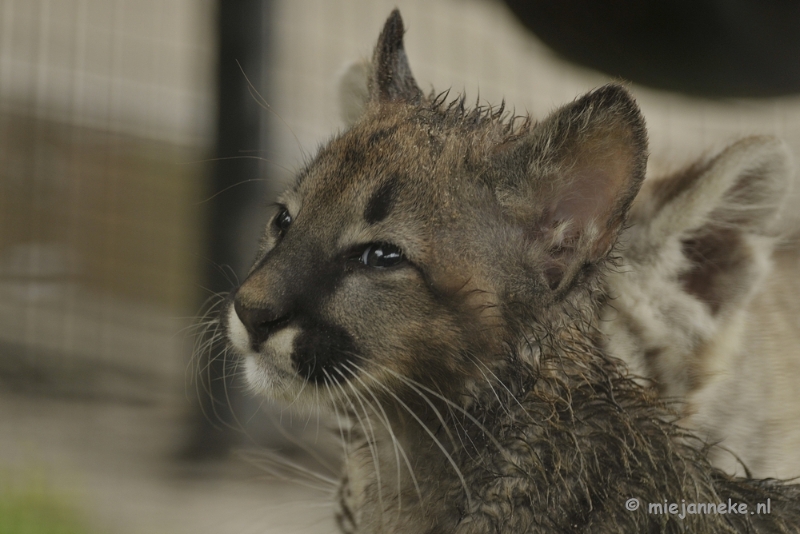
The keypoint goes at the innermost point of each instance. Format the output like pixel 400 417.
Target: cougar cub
pixel 435 277
pixel 704 303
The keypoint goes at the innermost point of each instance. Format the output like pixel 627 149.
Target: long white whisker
pixel 319 408
pixel 264 104
pixel 284 478
pixel 414 386
pixel 437 412
pixel 299 443
pixel 398 447
pixel 339 424
pixel 362 399
pixel 514 397
pixel 299 393
pixel 241 428
pixel 471 417
pixel 283 461
pixel 489 383
pixel 372 444
pixel 430 433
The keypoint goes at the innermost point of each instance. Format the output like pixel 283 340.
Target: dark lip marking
pixel 382 200
pixel 320 350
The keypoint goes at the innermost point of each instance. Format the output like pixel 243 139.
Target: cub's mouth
pixel 281 356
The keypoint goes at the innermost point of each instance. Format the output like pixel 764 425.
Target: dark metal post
pixel 235 182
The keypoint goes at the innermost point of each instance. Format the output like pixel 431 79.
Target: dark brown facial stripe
pixel 382 200
pixel 380 135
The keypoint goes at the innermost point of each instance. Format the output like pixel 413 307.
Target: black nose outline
pixel 260 323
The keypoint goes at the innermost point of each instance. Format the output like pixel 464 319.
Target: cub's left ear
pixel 570 182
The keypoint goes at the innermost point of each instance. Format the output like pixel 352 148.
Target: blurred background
pixel 141 140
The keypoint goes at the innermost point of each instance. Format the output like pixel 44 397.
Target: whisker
pixel 265 105
pixel 478 365
pixel 371 444
pixel 398 447
pixel 430 433
pixel 282 460
pixel 494 392
pixel 290 479
pixel 339 421
pixel 237 184
pixel 362 399
pixel 435 411
pixel 471 417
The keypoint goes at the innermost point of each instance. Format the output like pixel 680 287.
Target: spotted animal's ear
pixel 722 215
pixel 390 75
pixel 743 187
pixel 569 183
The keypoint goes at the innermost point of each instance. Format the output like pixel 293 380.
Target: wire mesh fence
pixel 106 122
pixel 105 111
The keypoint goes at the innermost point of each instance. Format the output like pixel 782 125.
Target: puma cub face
pixel 407 240
pixel 436 278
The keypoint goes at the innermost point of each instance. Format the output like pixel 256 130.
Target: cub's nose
pixel 260 322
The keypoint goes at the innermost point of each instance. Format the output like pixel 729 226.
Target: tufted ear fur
pixel 390 75
pixel 569 183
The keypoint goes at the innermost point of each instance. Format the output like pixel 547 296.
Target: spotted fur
pixel 435 278
pixel 703 304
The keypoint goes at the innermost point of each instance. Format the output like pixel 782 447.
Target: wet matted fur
pixel 436 278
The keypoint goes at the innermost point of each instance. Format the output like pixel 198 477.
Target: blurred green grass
pixel 29 505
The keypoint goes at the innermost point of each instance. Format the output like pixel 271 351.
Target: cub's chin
pixel 288 389
pixel 270 371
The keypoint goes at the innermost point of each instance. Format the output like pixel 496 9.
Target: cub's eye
pixel 283 220
pixel 382 255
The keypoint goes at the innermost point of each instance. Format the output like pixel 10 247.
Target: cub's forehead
pixel 372 166
pixel 394 182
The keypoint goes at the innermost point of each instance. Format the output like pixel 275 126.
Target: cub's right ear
pixel 390 78
pixel 387 78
